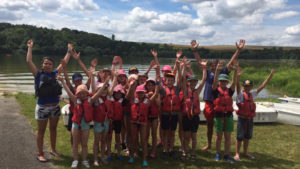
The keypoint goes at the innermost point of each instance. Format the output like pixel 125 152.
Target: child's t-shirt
pixel 240 97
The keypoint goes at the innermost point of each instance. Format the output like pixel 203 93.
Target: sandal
pixel 236 158
pixel 183 156
pixel 193 157
pixel 41 158
pixel 56 154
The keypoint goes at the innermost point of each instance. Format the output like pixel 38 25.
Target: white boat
pixel 65 113
pixel 291 100
pixel 265 113
pixel 288 113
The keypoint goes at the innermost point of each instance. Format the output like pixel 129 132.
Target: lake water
pixel 16 77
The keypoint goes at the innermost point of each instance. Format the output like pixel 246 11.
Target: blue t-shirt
pixel 47 100
pixel 208 95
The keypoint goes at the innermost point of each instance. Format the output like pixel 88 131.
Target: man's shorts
pixel 190 124
pixel 219 124
pixel 117 125
pixel 101 127
pixel 244 129
pixel 208 110
pixel 44 112
pixel 83 125
pixel 169 121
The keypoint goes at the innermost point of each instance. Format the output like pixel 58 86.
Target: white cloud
pixel 140 15
pixel 171 22
pixel 285 14
pixel 293 30
pixel 254 19
pixel 191 1
pixel 185 7
pixel 9 16
pixel 15 4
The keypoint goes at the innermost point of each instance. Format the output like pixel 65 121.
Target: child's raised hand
pixel 194 45
pixel 117 59
pixel 70 47
pixel 153 52
pixel 94 62
pixel 60 78
pixel 178 54
pixel 30 43
pixel 220 65
pixel 241 44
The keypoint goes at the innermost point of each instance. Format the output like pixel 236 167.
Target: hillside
pixel 13 39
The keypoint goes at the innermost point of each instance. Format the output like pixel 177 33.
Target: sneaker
pixel 108 159
pixel 74 164
pixel 164 155
pixel 228 159
pixel 217 157
pixel 131 160
pixel 86 164
pixel 145 164
pixel 120 158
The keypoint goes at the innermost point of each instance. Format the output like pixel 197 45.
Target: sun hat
pixel 119 88
pixel 77 76
pixel 140 88
pixel 247 83
pixel 167 68
pixel 81 88
pixel 223 77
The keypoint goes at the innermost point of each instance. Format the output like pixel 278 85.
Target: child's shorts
pixel 244 129
pixel 219 124
pixel 43 112
pixel 101 127
pixel 190 124
pixel 83 125
pixel 169 121
pixel 117 125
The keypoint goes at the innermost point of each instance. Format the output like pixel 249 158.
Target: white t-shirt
pixel 240 97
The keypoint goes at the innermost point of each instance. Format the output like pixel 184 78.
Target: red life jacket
pixel 171 101
pixel 100 110
pixel 85 109
pixel 140 110
pixel 191 105
pixel 116 110
pixel 247 107
pixel 223 103
pixel 153 109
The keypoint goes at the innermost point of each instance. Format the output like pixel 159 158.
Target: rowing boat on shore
pixel 291 100
pixel 288 113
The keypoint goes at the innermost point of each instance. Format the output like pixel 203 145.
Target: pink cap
pixel 119 88
pixel 140 88
pixel 121 72
pixel 150 80
pixel 188 75
pixel 167 68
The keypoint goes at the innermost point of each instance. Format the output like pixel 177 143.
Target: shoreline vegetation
pixel 274 146
pixel 13 39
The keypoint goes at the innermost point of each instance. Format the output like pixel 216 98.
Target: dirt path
pixel 17 141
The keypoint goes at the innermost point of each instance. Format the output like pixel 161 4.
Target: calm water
pixel 15 74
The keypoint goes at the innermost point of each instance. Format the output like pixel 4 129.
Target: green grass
pixel 274 146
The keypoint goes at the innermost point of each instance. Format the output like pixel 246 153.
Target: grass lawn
pixel 273 145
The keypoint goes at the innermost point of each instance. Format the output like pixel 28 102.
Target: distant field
pixel 232 47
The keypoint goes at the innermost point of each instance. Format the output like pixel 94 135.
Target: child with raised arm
pixel 207 94
pixel 246 113
pixel 83 114
pixel 48 90
pixel 191 110
pixel 223 110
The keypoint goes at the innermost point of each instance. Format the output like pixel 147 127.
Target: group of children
pixel 134 107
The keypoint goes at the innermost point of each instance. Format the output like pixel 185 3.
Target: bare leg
pixel 172 140
pixel 52 127
pixel 186 141
pixel 209 133
pixel 103 145
pixel 108 143
pixel 42 124
pixel 118 143
pixel 154 134
pixel 165 136
pixel 227 142
pixel 96 145
pixel 75 143
pixel 84 141
pixel 237 151
pixel 218 141
pixel 143 130
pixel 194 142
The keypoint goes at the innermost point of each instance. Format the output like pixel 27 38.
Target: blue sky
pixel 210 22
